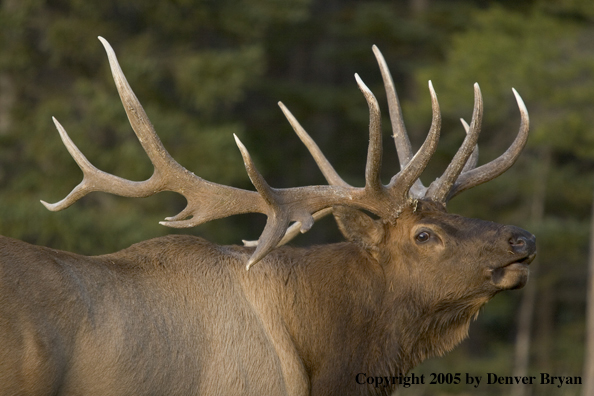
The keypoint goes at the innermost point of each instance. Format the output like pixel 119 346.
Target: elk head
pixel 403 205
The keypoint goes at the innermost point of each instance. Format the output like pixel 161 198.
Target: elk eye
pixel 422 236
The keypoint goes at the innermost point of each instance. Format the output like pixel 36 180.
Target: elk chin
pixel 511 276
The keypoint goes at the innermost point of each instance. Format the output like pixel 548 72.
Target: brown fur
pixel 181 316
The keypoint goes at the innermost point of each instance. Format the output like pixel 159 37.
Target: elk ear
pixel 358 227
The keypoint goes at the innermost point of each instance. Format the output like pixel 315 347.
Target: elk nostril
pixel 520 241
pixel 517 241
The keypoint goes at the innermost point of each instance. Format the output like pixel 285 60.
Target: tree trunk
pixel 526 312
pixel 522 349
pixel 588 376
pixel 7 98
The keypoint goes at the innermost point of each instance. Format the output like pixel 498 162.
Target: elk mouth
pixel 512 275
pixel 523 262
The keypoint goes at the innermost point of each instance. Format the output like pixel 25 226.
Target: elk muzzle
pixel 513 273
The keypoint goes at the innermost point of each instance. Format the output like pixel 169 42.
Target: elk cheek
pixel 513 276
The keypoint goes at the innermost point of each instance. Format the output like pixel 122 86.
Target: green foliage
pixel 222 76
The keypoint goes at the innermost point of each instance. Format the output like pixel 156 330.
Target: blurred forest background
pixel 206 69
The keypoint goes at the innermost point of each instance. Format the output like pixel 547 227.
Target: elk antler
pixel 208 201
pixel 302 205
pixel 460 175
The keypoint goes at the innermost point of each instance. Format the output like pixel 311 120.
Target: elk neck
pixel 340 300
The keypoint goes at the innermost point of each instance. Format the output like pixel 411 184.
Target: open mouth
pixel 512 275
pixel 525 261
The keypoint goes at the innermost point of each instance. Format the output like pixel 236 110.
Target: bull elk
pixel 179 315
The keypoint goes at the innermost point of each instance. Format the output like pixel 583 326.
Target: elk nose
pixel 522 242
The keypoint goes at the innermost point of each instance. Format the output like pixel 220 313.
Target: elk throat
pixel 425 331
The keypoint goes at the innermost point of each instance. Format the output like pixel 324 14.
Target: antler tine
pixel 473 159
pixel 257 179
pixel 502 163
pixel 93 178
pixel 401 140
pixel 372 170
pixel 136 115
pixel 401 183
pixel 96 180
pixel 438 190
pixel 278 220
pixel 293 230
pixel 327 169
pixel 271 236
pixel 403 146
pixel 374 150
pixel 202 196
pixel 374 154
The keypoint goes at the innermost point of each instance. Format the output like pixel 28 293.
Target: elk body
pixel 179 315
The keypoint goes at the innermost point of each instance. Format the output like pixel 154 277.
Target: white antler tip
pixel 366 91
pixel 55 207
pixel 306 224
pixel 361 83
pixel 103 41
pixel 520 102
pixel 244 152
pixel 518 97
pixel 283 107
pixel 465 125
pixel 59 126
pixel 432 90
pixel 238 142
pixel 380 58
